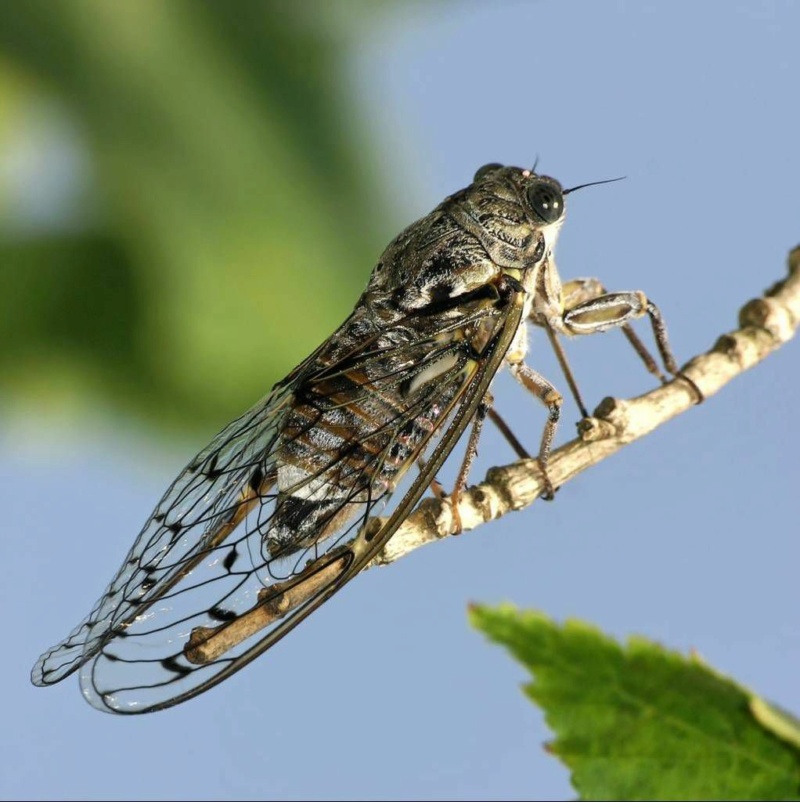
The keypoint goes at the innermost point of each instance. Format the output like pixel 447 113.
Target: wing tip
pixel 54 665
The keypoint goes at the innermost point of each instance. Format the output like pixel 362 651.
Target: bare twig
pixel 765 324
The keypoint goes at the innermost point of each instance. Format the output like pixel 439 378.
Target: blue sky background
pixel 689 537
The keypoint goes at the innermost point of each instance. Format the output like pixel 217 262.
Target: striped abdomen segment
pixel 349 438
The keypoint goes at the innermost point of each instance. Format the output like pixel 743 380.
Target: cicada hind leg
pixel 485 410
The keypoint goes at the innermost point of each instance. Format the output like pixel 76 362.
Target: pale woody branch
pixel 765 323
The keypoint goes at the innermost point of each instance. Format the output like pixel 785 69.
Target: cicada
pixel 293 499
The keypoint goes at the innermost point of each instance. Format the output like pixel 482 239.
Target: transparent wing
pixel 274 516
pixel 194 514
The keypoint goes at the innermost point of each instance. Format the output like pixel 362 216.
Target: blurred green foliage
pixel 230 219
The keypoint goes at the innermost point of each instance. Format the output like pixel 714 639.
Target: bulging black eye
pixel 546 200
pixel 486 169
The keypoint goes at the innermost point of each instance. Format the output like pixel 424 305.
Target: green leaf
pixel 231 213
pixel 778 721
pixel 640 721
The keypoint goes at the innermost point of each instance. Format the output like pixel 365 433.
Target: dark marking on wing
pixel 221 614
pixel 256 479
pixel 211 470
pixel 172 664
pixel 230 559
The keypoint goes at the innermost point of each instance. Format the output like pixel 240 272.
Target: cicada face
pixel 279 511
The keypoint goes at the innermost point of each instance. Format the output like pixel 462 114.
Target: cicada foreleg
pixel 589 309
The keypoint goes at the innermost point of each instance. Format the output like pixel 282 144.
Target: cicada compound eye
pixel 546 200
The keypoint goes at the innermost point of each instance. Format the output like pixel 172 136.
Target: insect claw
pixel 457 526
pixel 695 389
pixel 549 491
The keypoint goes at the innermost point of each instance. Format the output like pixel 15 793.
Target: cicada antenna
pixel 594 184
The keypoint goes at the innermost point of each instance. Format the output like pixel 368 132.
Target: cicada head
pixel 518 213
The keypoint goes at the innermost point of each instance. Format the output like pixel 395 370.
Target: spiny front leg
pixel 590 309
pixel 583 306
